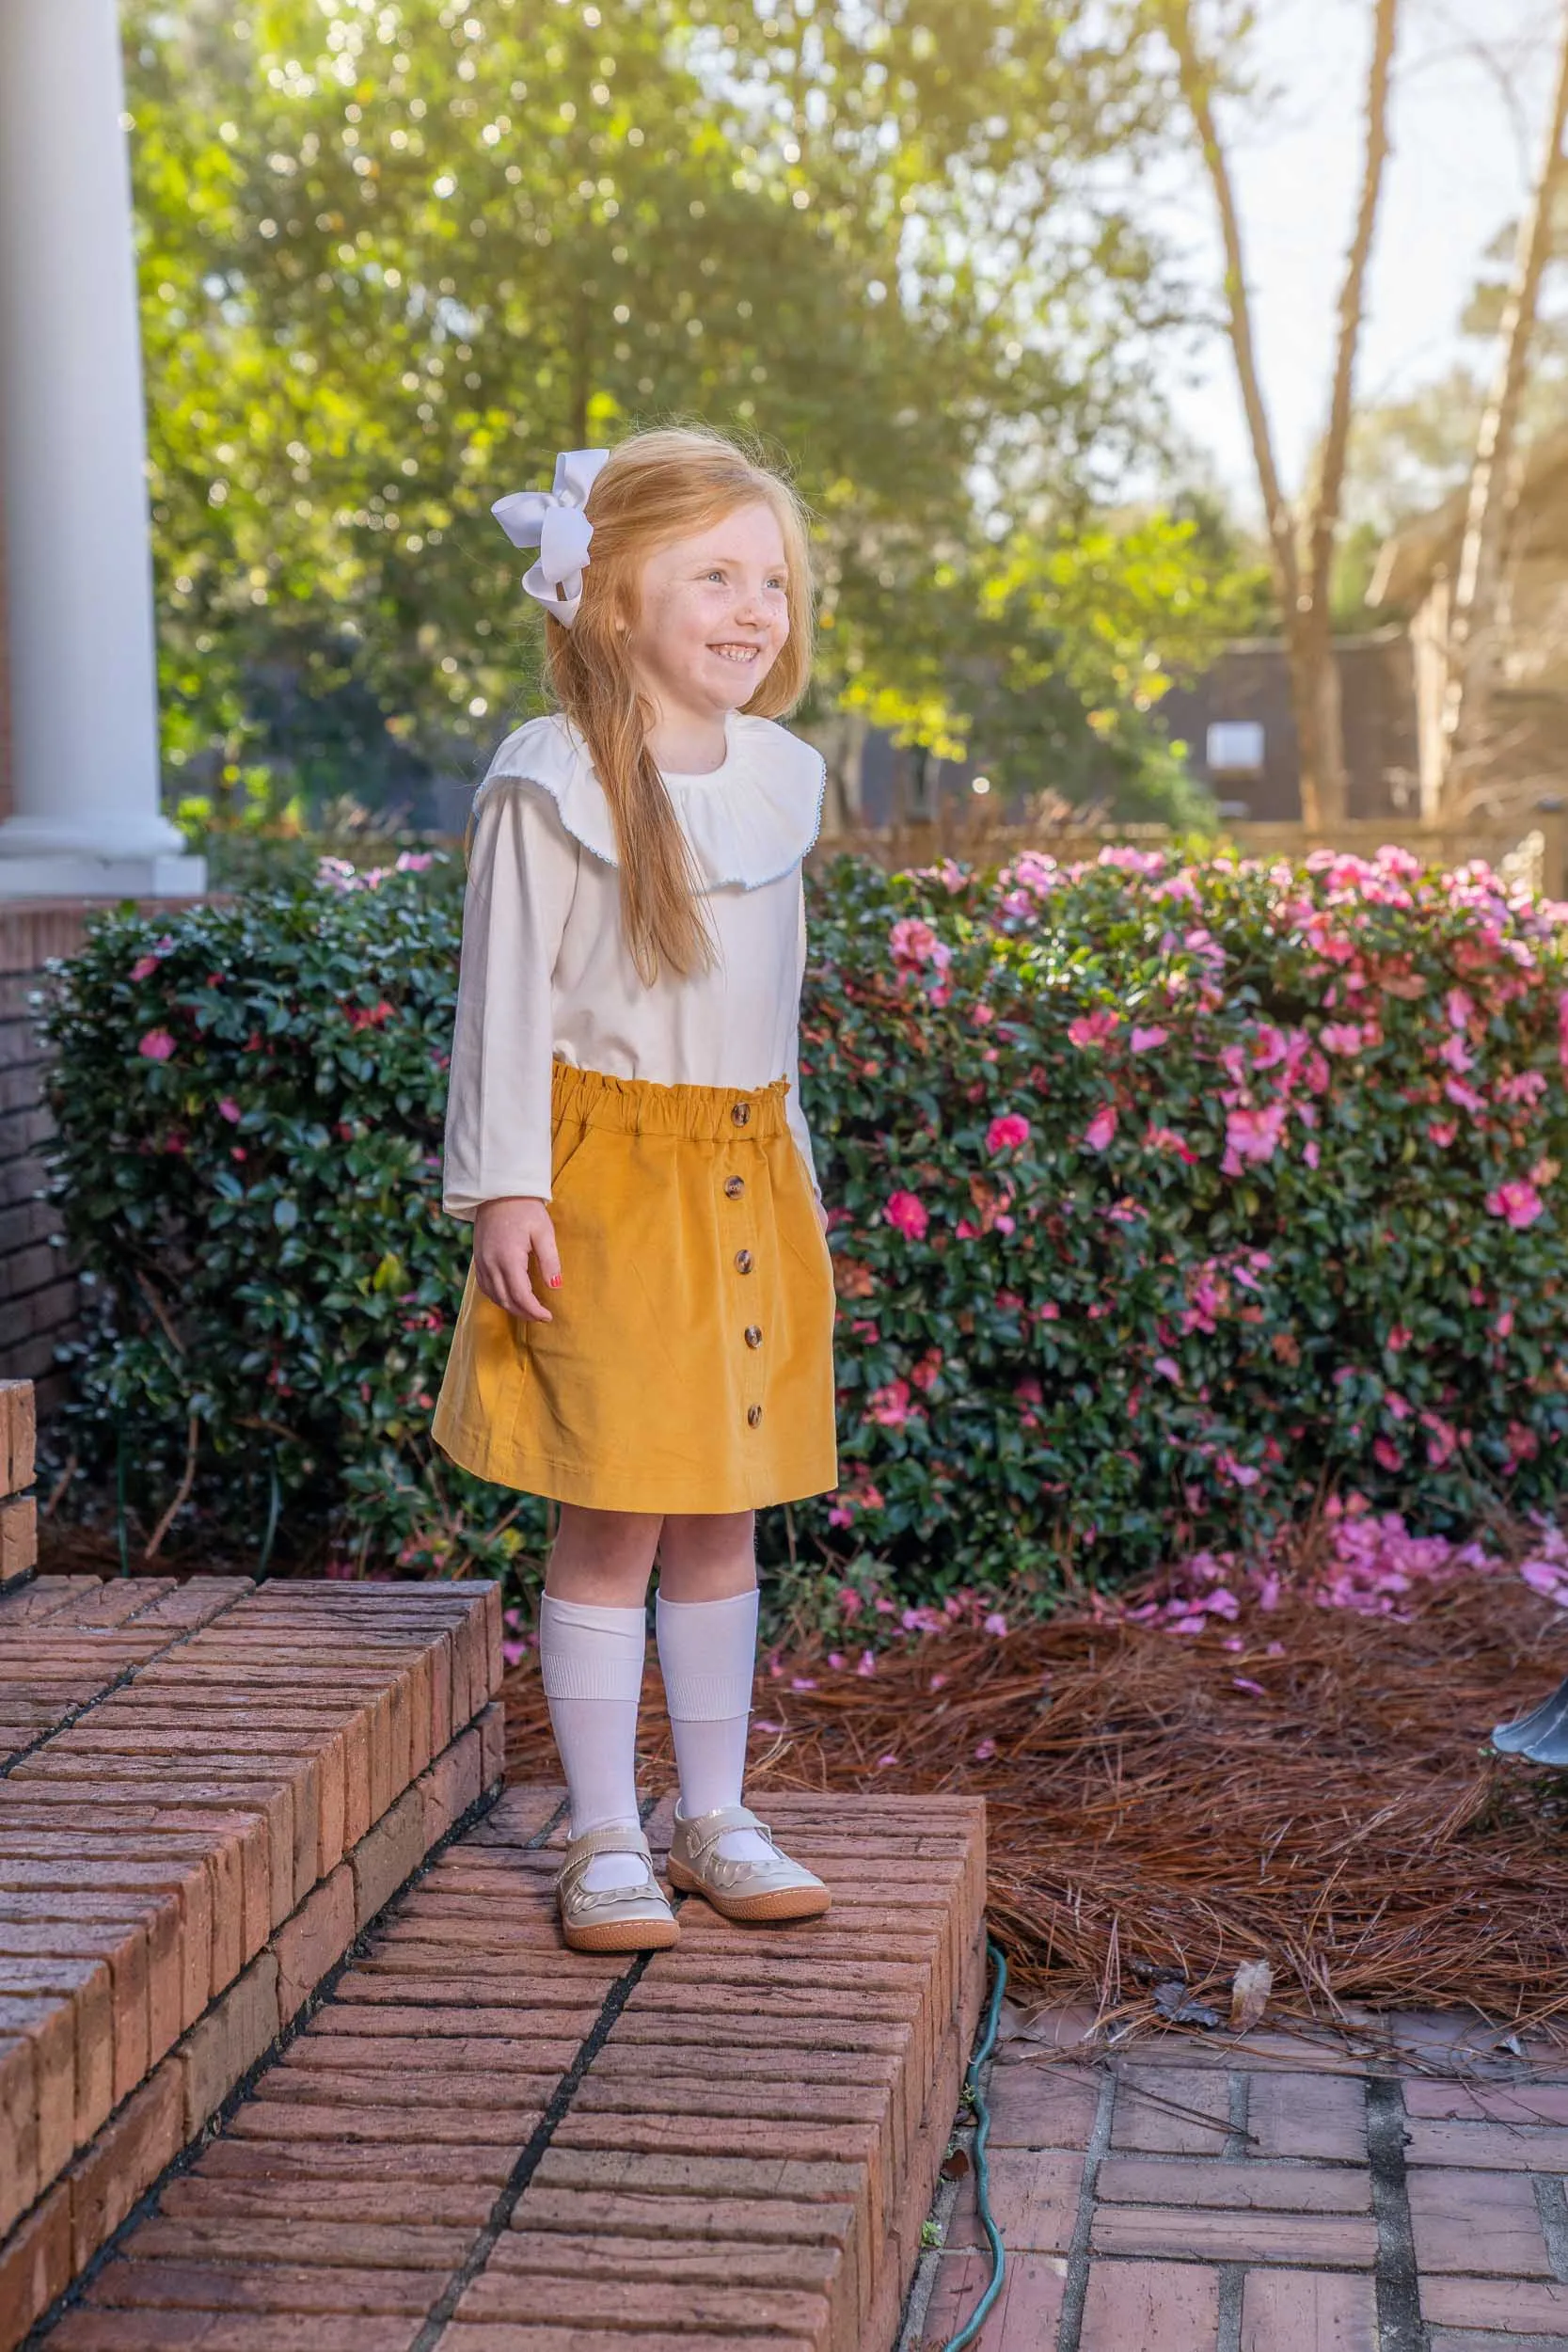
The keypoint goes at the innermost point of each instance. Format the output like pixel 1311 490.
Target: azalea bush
pixel 1168 1203
pixel 1172 1199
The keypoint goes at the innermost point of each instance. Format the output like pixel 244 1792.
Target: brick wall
pixel 38 1292
pixel 39 1300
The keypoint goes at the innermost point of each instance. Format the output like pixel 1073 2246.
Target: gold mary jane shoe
pixel 775 1889
pixel 635 1917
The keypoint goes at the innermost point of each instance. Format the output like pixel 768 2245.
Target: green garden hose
pixel 976 2319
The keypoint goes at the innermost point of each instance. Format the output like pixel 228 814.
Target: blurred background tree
pixel 396 253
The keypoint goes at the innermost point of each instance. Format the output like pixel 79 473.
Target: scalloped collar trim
pixel 747 822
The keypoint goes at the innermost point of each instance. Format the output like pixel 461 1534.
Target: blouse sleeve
pixel 794 1109
pixel 522 875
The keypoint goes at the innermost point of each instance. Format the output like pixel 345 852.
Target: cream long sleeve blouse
pixel 546 970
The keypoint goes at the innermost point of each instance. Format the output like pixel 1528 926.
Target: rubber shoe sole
pixel 779 1902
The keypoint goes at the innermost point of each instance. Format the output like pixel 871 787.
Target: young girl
pixel 646 1334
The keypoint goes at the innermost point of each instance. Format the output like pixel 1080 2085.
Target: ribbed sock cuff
pixel 707 1656
pixel 587 1652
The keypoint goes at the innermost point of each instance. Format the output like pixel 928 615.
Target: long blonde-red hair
pixel 659 486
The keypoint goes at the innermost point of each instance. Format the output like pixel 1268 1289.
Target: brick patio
pixel 1268 2195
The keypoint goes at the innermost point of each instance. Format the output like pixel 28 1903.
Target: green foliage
pixel 1273 1208
pixel 392 259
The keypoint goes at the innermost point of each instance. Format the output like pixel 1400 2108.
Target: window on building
pixel 1235 748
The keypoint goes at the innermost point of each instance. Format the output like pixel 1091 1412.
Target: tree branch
pixel 1353 299
pixel 1196 80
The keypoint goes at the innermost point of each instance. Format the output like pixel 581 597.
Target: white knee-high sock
pixel 590 1665
pixel 707 1655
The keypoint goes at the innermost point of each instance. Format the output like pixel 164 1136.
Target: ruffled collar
pixel 747 822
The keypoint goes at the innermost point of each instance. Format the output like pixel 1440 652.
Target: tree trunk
pixel 1303 592
pixel 1495 479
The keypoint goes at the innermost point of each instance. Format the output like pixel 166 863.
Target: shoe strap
pixel 614 1837
pixel 703 1834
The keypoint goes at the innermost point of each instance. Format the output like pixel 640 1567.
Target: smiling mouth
pixel 738 653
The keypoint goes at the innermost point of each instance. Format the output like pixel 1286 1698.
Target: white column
pixel 82 678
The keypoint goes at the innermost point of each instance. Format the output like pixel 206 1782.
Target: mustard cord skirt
pixel 689 1364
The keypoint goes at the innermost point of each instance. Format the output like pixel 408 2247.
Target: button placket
pixel 743 1244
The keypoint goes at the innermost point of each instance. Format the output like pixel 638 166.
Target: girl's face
pixel 714 613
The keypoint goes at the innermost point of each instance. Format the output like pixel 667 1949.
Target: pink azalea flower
pixel 1101 1127
pixel 1463 1098
pixel 1443 1132
pixel 1241 1682
pixel 906 1211
pixel 230 1109
pixel 413 860
pixel 1093 1028
pixel 1518 1202
pixel 1457 1054
pixel 1458 1007
pixel 936 1682
pixel 890 1406
pixel 868 1662
pixel 984 1750
pixel 1341 1037
pixel 982 1016
pixel 1311 1155
pixel 914 942
pixel 1008 1132
pixel 836 1660
pixel 1145 1041
pixel 883 1761
pixel 157 1045
pixel 996 1622
pixel 1504 1325
pixel 1050 1312
pixel 1166 1139
pixel 1254 1135
pixel 1167 1368
pixel 144 967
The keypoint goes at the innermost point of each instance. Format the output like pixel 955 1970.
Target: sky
pixel 1472 83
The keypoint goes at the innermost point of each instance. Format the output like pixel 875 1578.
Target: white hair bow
pixel 553 521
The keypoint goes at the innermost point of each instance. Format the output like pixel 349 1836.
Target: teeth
pixel 734 653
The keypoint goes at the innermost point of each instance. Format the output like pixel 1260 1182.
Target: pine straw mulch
pixel 1342 1822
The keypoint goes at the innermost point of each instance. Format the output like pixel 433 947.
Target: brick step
pixel 210 1789
pixel 481 2140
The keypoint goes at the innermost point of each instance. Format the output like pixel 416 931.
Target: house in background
pixel 1235 721
pixel 1240 736
pixel 1526 757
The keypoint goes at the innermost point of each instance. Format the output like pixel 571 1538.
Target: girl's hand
pixel 506 1233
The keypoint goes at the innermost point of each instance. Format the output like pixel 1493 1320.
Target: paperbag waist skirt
pixel 687 1366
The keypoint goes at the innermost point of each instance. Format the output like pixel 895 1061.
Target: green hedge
pixel 1166 1199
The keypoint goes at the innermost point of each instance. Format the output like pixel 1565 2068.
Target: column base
pixel 74 875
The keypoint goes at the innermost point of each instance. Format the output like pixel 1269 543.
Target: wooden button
pixel 741 1113
pixel 743 1260
pixel 753 1335
pixel 735 1186
pixel 754 1414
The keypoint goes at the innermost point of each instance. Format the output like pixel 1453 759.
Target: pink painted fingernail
pixel 555 1281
